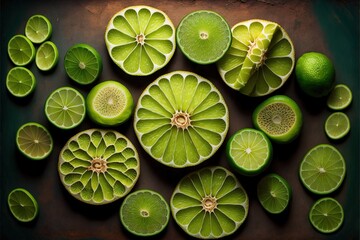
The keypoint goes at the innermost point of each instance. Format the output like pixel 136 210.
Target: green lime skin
pixel 23 205
pixel 279 117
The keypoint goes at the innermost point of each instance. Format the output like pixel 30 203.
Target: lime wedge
pixel 337 125
pixel 38 29
pixel 340 97
pixel 21 50
pixel 47 56
pixel 23 205
pixel 20 81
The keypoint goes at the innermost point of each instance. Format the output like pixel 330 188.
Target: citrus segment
pixel 337 125
pixel 181 119
pixel 98 166
pixel 140 39
pixel 340 97
pixel 47 56
pixel 322 170
pixel 65 107
pixel 20 81
pixel 209 203
pixel 38 28
pixel 22 205
pixel 21 50
pixel 200 41
pixel 260 59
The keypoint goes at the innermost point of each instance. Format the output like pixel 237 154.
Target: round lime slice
pixel 21 50
pixel 38 28
pixel 340 97
pixel 22 205
pixel 47 56
pixel 337 125
pixel 20 81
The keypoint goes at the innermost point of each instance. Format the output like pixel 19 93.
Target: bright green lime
pixel 47 56
pixel 21 50
pixel 23 205
pixel 340 97
pixel 337 125
pixel 38 28
pixel 20 81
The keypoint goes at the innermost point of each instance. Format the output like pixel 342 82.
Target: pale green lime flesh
pixel 20 81
pixel 98 166
pixel 23 205
pixel 209 203
pixel 181 119
pixel 21 50
pixel 337 125
pixel 38 28
pixel 46 56
pixel 340 97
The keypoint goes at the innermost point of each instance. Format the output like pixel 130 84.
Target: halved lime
pixel 144 213
pixel 249 151
pixel 279 117
pixel 65 107
pixel 181 119
pixel 47 56
pixel 38 28
pixel 21 50
pixel 23 205
pixel 98 166
pixel 337 125
pixel 109 103
pixel 20 81
pixel 209 203
pixel 34 141
pixel 274 193
pixel 140 39
pixel 340 97
pixel 326 215
pixel 322 170
pixel 260 59
pixel 83 63
pixel 203 36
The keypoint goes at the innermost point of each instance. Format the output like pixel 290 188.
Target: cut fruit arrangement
pixel 181 120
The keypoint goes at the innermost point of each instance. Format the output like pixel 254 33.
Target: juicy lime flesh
pixel 38 28
pixel 260 59
pixel 203 36
pixel 209 203
pixel 109 101
pixel 274 193
pixel 181 119
pixel 20 81
pixel 323 169
pixel 65 108
pixel 340 97
pixel 21 51
pixel 140 40
pixel 145 213
pixel 46 56
pixel 337 125
pixel 98 166
pixel 326 215
pixel 22 205
pixel 34 141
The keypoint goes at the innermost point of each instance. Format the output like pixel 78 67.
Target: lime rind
pixel 337 125
pixel 140 39
pixel 20 81
pixel 340 97
pixel 181 119
pixel 47 56
pixel 21 50
pixel 38 28
pixel 23 205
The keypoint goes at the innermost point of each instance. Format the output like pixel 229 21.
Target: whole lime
pixel 315 74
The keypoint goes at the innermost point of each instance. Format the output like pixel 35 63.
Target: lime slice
pixel 249 151
pixel 34 141
pixel 20 81
pixel 140 39
pixel 340 97
pixel 144 213
pixel 181 119
pixel 83 63
pixel 274 193
pixel 38 29
pixel 203 36
pixel 260 59
pixel 279 117
pixel 109 103
pixel 23 205
pixel 323 169
pixel 209 203
pixel 326 215
pixel 47 56
pixel 65 108
pixel 21 50
pixel 98 166
pixel 337 125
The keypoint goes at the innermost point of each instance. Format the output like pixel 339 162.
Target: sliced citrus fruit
pixel 38 28
pixel 337 125
pixel 144 213
pixel 21 50
pixel 260 58
pixel 326 215
pixel 249 151
pixel 23 205
pixel 34 141
pixel 181 119
pixel 20 81
pixel 83 63
pixel 65 107
pixel 279 117
pixel 98 166
pixel 46 56
pixel 274 193
pixel 322 170
pixel 109 103
pixel 203 36
pixel 140 39
pixel 340 97
pixel 209 203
